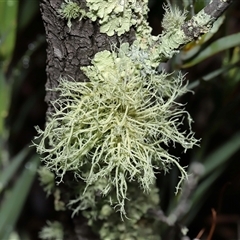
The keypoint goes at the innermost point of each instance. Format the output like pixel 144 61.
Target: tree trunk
pixel 68 50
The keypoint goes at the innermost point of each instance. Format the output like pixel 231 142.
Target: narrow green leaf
pixel 216 47
pixel 28 10
pixel 212 75
pixel 10 170
pixel 8 26
pixel 14 201
pixel 4 101
pixel 215 164
pixel 200 195
pixel 221 155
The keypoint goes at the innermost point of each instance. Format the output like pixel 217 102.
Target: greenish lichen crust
pixel 114 17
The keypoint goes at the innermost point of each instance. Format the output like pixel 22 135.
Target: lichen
pixel 105 221
pixel 70 10
pixel 47 179
pixel 140 226
pixel 52 231
pixel 173 18
pixel 117 16
pixel 118 126
pixel 114 17
pixel 201 19
pixel 172 35
pixel 59 205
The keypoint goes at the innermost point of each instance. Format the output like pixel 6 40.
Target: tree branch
pixel 208 16
pixel 201 23
pixel 174 219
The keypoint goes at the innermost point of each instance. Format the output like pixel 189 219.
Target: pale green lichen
pixel 52 231
pixel 114 132
pixel 117 16
pixel 70 10
pixel 105 221
pixel 114 17
pixel 59 205
pixel 47 179
pixel 118 126
pixel 173 18
pixel 89 199
pixel 172 36
pixel 140 226
pixel 202 19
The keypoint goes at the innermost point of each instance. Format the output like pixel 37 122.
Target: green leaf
pixel 214 165
pixel 221 155
pixel 8 26
pixel 14 200
pixel 4 101
pixel 10 170
pixel 216 47
pixel 200 195
pixel 212 75
pixel 28 10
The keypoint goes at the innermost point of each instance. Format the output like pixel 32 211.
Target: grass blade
pixel 216 47
pixel 10 208
pixel 11 169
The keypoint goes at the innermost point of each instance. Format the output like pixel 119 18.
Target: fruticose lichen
pixel 70 10
pixel 47 179
pixel 140 226
pixel 172 35
pixel 104 219
pixel 52 231
pixel 117 126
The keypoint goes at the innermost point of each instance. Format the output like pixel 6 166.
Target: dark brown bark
pixel 70 49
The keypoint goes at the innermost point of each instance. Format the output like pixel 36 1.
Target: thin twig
pixel 200 234
pixel 214 10
pixel 214 220
pixel 194 28
pixel 196 170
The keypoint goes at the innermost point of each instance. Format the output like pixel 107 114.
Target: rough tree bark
pixel 70 49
